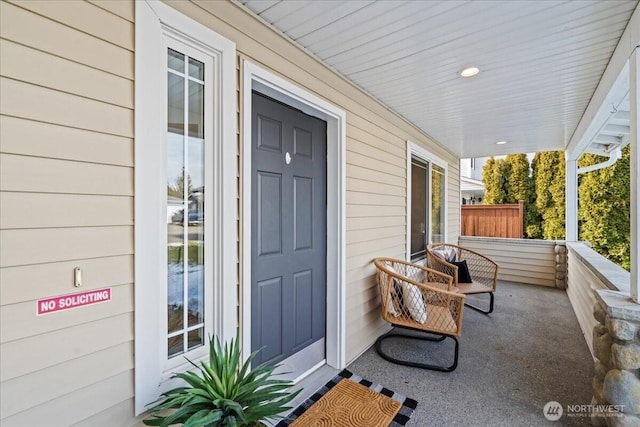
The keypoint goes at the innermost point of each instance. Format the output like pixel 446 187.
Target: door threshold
pixel 309 372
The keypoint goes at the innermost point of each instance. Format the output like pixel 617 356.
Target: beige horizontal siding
pixel 522 261
pixel 123 9
pixel 29 29
pixel 42 175
pixel 63 210
pixel 580 293
pixel 360 236
pixel 35 246
pixel 117 415
pixel 373 209
pixel 54 278
pixel 26 65
pixel 366 198
pixel 364 142
pixel 374 223
pixel 29 138
pixel 18 359
pixel 86 18
pixel 66 201
pixel 364 186
pixel 63 108
pixel 373 175
pixel 68 409
pixel 18 394
pixel 376 163
pixel 581 284
pixel 24 314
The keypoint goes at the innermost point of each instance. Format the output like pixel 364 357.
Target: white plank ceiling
pixel 540 62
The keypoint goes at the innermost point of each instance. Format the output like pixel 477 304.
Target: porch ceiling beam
pixel 622 115
pixel 599 149
pixel 607 139
pixel 611 129
pixel 611 90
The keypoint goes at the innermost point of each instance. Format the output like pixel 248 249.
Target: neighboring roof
pixel 468 184
pixel 540 62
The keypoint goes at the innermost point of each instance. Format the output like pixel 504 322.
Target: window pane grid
pixel 189 329
pixel 185 159
pixel 183 75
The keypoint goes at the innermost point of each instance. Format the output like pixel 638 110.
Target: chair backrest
pixel 418 297
pixel 481 268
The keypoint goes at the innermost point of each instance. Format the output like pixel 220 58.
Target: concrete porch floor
pixel 528 352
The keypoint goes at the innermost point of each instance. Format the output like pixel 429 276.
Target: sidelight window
pixel 185 203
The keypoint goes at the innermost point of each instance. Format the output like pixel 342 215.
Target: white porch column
pixel 634 95
pixel 571 199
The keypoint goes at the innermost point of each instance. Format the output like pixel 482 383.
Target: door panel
pixel 269 212
pixel 303 215
pixel 303 299
pixel 288 254
pixel 270 298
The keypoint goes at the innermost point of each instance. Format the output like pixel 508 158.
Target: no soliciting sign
pixel 69 301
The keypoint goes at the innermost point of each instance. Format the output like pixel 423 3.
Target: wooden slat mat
pixel 350 401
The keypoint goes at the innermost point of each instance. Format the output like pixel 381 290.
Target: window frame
pixel 416 151
pixel 157 27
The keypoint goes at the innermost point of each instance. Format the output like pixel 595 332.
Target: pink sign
pixel 69 301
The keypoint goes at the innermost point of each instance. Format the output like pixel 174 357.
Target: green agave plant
pixel 224 393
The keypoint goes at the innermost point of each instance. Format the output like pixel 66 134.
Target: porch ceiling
pixel 540 62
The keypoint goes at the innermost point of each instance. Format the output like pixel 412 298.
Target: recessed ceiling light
pixel 501 142
pixel 469 71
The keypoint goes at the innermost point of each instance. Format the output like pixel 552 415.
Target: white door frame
pixel 277 88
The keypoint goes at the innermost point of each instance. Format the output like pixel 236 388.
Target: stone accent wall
pixel 616 348
pixel 561 265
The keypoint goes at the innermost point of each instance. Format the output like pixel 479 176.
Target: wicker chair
pixel 483 271
pixel 419 299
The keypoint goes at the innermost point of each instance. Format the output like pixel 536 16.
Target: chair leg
pixel 439 338
pixel 473 307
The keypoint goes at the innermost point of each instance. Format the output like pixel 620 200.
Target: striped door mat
pixel 351 401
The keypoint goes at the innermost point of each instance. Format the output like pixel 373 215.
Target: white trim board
pixel 277 88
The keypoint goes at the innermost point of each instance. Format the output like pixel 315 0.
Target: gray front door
pixel 288 236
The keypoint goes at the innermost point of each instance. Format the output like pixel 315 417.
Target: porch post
pixel 634 95
pixel 571 196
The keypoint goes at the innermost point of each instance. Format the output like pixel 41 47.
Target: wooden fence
pixel 493 220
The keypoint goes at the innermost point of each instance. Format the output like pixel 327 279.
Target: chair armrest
pixel 424 274
pixel 482 268
pixel 443 267
pixel 453 302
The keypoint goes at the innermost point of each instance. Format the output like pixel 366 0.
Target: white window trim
pixel 277 88
pixel 415 150
pixel 154 21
